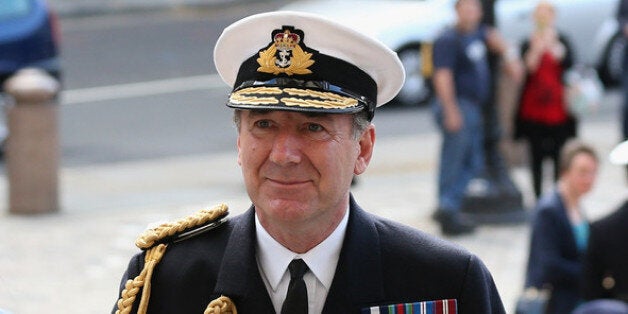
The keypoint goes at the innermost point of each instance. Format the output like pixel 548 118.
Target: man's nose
pixel 286 149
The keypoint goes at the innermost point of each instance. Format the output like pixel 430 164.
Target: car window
pixel 10 9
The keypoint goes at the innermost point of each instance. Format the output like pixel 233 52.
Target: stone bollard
pixel 32 149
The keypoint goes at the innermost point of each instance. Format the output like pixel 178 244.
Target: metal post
pixel 32 150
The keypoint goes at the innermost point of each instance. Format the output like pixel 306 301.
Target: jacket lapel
pixel 239 277
pixel 358 281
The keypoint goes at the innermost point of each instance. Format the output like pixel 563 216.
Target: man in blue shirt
pixel 462 83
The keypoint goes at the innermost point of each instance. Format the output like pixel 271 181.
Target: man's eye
pixel 313 127
pixel 262 124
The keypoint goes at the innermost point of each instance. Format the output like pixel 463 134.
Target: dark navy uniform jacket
pixel 381 262
pixel 607 257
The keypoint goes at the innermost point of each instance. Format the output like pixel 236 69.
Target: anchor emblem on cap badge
pixel 285 54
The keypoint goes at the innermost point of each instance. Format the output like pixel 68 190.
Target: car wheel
pixel 613 63
pixel 416 89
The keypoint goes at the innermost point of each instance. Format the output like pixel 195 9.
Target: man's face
pixel 469 13
pixel 298 167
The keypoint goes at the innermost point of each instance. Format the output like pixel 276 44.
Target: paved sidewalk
pixel 71 262
pixel 66 8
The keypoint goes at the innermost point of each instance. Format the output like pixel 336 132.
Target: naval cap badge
pixel 285 54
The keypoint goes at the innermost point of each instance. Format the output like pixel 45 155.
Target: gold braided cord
pixel 315 99
pixel 153 256
pixel 317 94
pixel 312 103
pixel 221 305
pixel 252 100
pixel 152 236
pixel 247 96
pixel 132 287
pixel 260 90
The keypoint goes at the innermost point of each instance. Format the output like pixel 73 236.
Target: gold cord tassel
pixel 221 305
pixel 132 287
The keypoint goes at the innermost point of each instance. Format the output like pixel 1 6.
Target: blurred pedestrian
pixel 305 90
pixel 543 118
pixel 622 19
pixel 560 230
pixel 606 261
pixel 462 82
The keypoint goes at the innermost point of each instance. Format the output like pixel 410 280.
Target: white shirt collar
pixel 322 259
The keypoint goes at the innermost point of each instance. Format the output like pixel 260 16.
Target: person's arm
pixel 479 294
pixel 550 41
pixel 443 81
pixel 499 46
pixel 568 57
pixel 533 53
pixel 444 58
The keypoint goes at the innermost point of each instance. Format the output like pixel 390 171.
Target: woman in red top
pixel 542 117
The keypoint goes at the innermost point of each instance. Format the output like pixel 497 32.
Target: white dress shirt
pixel 273 260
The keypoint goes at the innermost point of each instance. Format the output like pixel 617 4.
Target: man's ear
pixel 367 140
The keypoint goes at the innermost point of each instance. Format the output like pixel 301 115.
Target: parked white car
pixel 406 25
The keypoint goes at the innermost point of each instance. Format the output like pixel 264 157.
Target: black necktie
pixel 296 298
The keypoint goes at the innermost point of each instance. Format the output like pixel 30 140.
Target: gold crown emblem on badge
pixel 286 40
pixel 285 54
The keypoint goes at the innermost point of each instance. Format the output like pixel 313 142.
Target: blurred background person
pixel 560 230
pixel 606 262
pixel 462 82
pixel 622 19
pixel 543 118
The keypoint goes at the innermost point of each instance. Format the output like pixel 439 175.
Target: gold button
pixel 608 283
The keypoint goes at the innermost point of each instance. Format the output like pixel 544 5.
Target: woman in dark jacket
pixel 560 230
pixel 542 117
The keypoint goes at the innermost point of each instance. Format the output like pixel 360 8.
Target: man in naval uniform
pixel 605 265
pixel 304 92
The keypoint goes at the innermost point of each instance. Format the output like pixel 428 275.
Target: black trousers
pixel 540 149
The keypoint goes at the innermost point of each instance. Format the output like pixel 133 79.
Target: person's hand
pixel 453 121
pixel 625 29
pixel 544 39
pixel 539 42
